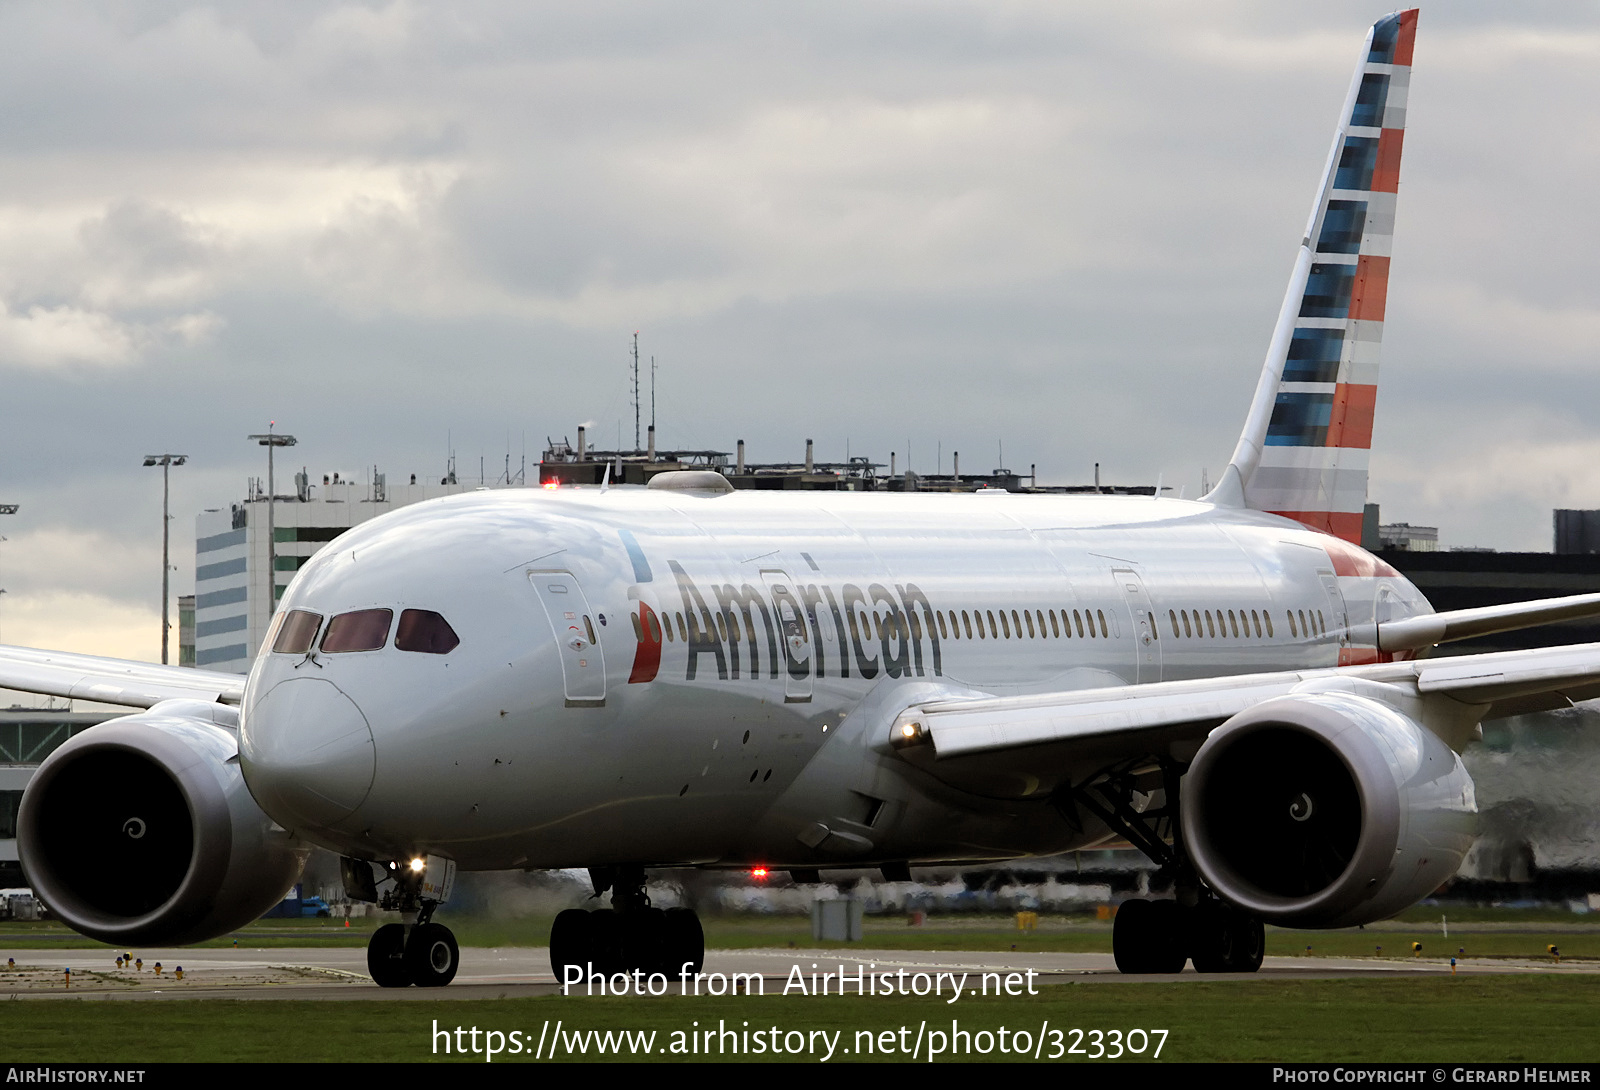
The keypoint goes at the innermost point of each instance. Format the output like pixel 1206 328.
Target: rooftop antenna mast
pixel 636 390
pixel 652 393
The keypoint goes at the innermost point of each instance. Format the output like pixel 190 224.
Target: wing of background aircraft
pixel 112 681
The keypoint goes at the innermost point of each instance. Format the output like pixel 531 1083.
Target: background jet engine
pixel 141 830
pixel 1326 810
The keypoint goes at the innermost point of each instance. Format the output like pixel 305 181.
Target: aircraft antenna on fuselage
pixel 1305 446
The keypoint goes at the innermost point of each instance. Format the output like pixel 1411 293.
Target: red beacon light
pixel 759 873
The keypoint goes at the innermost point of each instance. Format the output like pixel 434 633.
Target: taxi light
pixel 418 865
pixel 909 733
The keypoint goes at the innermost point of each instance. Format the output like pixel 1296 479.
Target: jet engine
pixel 141 831
pixel 1326 809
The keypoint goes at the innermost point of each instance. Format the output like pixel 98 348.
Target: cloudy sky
pixel 918 227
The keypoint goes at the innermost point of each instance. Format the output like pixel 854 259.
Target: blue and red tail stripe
pixel 1304 451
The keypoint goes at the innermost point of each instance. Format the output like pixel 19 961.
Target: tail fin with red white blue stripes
pixel 1304 450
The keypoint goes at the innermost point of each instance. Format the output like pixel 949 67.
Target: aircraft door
pixel 794 634
pixel 1338 622
pixel 1147 637
pixel 583 664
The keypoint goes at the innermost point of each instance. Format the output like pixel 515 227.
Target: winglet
pixel 1305 445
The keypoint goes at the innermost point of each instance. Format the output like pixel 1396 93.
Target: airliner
pixel 633 679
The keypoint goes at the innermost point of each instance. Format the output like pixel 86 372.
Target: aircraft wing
pixel 112 681
pixel 1491 685
pixel 1428 629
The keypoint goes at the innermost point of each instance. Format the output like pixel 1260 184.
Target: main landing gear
pixel 629 936
pixel 1160 936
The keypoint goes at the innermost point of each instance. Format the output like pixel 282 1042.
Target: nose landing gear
pixel 423 953
pixel 630 936
pixel 417 951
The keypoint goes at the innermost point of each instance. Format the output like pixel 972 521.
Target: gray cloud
pixel 940 226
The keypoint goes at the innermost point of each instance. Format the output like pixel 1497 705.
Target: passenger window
pixel 589 627
pixel 1104 631
pixel 638 629
pixel 361 630
pixel 425 631
pixel 1266 615
pixel 296 632
pixel 1055 629
pixel 1211 626
pixel 655 629
pixel 1255 619
pixel 944 633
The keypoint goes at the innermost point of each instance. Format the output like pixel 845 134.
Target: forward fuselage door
pixel 793 633
pixel 583 664
pixel 1147 637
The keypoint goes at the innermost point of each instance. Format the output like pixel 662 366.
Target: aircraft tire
pixel 644 941
pixel 571 942
pixel 1225 940
pixel 685 942
pixel 1147 937
pixel 1248 944
pixel 1128 944
pixel 1211 939
pixel 432 955
pixel 605 942
pixel 1168 951
pixel 386 957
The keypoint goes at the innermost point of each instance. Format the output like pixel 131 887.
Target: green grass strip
pixel 1460 1019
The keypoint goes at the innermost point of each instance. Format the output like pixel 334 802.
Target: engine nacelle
pixel 1326 809
pixel 141 830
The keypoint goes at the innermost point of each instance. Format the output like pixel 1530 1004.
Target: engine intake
pixel 1326 809
pixel 141 830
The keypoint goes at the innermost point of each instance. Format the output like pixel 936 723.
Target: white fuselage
pixel 659 677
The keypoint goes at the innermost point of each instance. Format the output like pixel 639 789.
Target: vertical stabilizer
pixel 1305 445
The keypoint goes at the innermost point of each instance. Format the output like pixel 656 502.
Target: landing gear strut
pixel 1160 936
pixel 417 951
pixel 629 936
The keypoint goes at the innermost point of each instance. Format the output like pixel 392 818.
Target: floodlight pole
pixel 166 462
pixel 6 509
pixel 270 441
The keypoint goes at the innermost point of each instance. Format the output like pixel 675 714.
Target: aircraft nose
pixel 307 753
